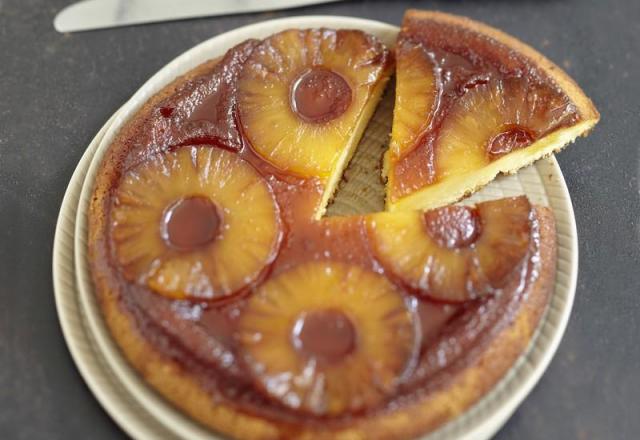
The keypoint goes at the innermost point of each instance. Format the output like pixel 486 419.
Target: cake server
pixel 97 14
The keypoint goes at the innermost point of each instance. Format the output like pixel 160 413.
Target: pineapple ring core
pixel 453 227
pixel 509 139
pixel 191 222
pixel 328 335
pixel 320 95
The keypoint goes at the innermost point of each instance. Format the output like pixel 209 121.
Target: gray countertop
pixel 57 90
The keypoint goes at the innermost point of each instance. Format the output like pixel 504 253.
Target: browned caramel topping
pixel 320 95
pixel 213 109
pixel 200 111
pixel 453 227
pixel 512 138
pixel 190 223
pixel 326 335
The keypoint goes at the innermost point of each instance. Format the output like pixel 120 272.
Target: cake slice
pixel 472 102
pixel 306 96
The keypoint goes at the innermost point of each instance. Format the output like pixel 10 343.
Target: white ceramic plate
pixel 132 417
pixel 143 413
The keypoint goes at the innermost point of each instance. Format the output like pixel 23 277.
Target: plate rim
pixel 66 300
pixel 181 64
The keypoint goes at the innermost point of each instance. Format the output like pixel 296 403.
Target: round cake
pixel 236 298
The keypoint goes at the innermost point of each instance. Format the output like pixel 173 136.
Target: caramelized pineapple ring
pixel 416 96
pixel 454 253
pixel 328 338
pixel 494 119
pixel 302 93
pixel 179 223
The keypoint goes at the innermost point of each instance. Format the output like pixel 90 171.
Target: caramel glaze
pixel 462 60
pixel 200 111
pixel 200 335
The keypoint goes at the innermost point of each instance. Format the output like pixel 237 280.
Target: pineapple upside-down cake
pixel 234 297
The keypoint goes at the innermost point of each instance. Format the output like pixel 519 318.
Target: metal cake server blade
pixel 97 14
